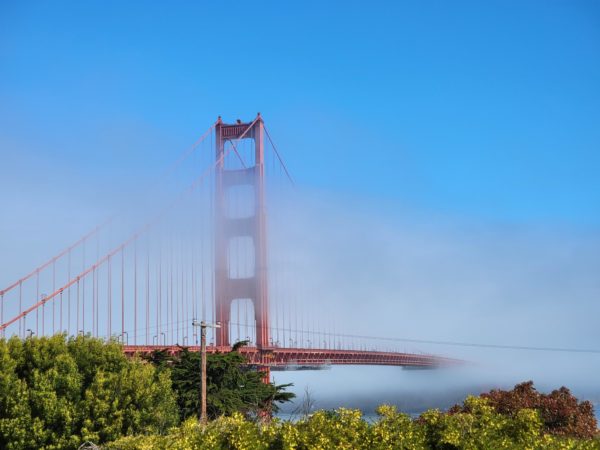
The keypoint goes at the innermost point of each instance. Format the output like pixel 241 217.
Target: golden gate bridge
pixel 208 250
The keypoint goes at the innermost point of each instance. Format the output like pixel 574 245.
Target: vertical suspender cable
pixel 187 305
pixel 276 322
pixel 135 293
pixel 283 323
pixel 211 227
pixel 61 312
pixel 96 308
pixel 109 309
pixel 21 327
pixel 69 295
pixel 147 293
pixel 37 297
pixel 77 321
pixel 167 292
pixel 171 287
pixel 82 295
pixel 157 312
pixel 194 308
pixel 53 302
pixel 182 295
pixel 296 319
pixel 123 295
pixel 94 281
pixel 175 300
pixel 160 308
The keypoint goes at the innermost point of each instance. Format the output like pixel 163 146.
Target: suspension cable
pixel 279 157
pixel 102 225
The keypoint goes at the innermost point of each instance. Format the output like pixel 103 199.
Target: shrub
pixel 478 426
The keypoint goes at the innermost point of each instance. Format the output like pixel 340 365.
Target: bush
pixel 479 426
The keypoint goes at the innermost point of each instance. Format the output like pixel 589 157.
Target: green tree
pixel 232 386
pixel 57 392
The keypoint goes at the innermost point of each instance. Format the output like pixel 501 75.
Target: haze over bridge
pixel 203 253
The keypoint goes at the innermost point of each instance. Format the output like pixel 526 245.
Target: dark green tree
pixel 232 386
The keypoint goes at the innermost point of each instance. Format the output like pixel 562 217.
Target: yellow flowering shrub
pixel 479 427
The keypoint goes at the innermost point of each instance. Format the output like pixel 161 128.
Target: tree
pixel 561 413
pixel 57 392
pixel 232 386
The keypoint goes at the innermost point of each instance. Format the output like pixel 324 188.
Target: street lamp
pixel 155 340
pixel 164 338
pixel 30 331
pixel 203 325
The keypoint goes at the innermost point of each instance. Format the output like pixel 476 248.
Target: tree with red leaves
pixel 561 413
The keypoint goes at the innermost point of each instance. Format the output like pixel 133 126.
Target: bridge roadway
pixel 282 358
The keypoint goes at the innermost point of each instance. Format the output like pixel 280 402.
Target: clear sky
pixel 488 110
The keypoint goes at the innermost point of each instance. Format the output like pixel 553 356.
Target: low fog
pixel 364 266
pixel 386 270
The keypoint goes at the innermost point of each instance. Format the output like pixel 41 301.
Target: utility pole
pixel 203 325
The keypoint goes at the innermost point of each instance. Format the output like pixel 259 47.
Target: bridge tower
pixel 227 228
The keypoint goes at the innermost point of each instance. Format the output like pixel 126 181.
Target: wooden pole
pixel 203 418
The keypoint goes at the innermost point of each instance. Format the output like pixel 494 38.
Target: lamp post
pixel 203 325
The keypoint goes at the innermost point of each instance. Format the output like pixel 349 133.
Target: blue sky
pixel 486 113
pixel 485 110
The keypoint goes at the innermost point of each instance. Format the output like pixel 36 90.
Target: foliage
pixel 480 426
pixel 56 393
pixel 561 413
pixel 231 385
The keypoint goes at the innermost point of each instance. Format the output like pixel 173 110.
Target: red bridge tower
pixel 253 287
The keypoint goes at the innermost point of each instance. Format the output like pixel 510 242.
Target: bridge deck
pixel 293 357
